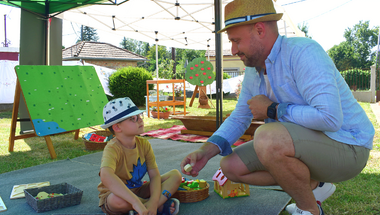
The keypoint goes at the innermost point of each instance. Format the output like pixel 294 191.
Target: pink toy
pixel 219 177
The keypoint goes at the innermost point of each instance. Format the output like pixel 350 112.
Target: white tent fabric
pixel 175 23
pixel 8 80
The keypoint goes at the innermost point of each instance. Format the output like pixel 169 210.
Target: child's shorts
pixel 142 192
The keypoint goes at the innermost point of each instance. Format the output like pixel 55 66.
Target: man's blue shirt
pixel 311 92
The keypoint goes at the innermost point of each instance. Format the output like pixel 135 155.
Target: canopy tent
pixel 189 24
pixel 197 18
pixel 186 24
pixel 51 8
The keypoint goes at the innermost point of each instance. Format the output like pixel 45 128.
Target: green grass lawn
pixel 359 195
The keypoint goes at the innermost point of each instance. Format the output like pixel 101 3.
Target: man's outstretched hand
pixel 199 158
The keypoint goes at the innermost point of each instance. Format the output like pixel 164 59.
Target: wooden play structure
pixel 228 189
pixel 202 102
pixel 59 99
pixel 199 72
pixel 172 103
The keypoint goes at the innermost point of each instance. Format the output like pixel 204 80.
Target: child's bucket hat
pixel 243 12
pixel 118 110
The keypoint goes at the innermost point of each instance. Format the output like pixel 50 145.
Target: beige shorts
pixel 328 160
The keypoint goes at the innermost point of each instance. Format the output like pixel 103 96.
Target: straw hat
pixel 243 12
pixel 118 110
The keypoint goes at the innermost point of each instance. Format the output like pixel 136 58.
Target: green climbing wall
pixel 62 98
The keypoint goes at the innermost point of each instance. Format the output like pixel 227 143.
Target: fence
pixel 357 79
pixel 233 74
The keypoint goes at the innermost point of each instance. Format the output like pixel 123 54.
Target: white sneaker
pixel 321 193
pixel 302 212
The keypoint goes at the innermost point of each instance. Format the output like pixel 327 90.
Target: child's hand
pixel 140 208
pixel 152 208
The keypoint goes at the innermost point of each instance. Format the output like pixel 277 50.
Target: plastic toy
pixel 228 189
pixel 188 168
pixel 45 195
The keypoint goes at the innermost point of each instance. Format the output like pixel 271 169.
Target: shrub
pixel 130 82
pixel 357 79
pixel 225 75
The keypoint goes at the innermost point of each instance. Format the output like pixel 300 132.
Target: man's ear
pixel 260 30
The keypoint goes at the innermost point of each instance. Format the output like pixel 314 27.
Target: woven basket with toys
pixel 192 191
pixel 53 197
pixel 97 140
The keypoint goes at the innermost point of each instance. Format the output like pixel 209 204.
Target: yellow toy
pixel 188 168
pixel 228 189
pixel 45 195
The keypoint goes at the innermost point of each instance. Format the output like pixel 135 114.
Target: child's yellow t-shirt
pixel 130 165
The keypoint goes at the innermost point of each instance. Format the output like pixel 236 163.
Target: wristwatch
pixel 271 112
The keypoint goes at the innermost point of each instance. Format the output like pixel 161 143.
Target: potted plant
pixel 164 112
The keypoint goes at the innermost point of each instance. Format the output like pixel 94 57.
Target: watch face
pixel 271 113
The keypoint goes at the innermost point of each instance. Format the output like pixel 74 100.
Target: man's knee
pixel 272 140
pixel 227 166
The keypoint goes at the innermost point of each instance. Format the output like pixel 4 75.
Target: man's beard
pixel 253 60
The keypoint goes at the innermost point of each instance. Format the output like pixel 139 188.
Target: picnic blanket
pixel 174 133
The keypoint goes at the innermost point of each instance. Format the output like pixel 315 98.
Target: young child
pixel 126 159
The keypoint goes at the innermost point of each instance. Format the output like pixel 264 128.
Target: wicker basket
pixel 71 196
pixel 91 145
pixel 185 196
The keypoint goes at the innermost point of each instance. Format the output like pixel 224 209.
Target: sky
pixel 327 20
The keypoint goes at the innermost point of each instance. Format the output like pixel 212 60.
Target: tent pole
pixel 156 55
pixel 376 64
pixel 286 33
pixel 208 59
pixel 218 63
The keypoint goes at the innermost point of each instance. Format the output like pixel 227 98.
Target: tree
pixel 363 39
pixel 342 56
pixel 129 44
pixel 89 34
pixel 356 51
pixel 163 57
pixel 184 56
pixel 135 46
pixel 305 28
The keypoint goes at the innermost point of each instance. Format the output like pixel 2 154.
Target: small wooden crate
pixel 71 196
pixel 91 145
pixel 187 196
